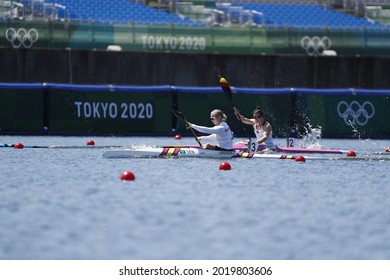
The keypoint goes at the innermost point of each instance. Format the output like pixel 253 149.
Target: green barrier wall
pixel 131 110
pixel 109 110
pixel 345 113
pixel 21 108
pixel 180 39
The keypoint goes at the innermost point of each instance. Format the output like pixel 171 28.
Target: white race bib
pixel 290 142
pixel 252 147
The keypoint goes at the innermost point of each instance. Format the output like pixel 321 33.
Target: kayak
pixel 188 152
pixel 179 151
pixel 290 150
pixel 242 146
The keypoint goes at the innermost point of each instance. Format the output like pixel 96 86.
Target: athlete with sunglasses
pixel 220 132
pixel 261 127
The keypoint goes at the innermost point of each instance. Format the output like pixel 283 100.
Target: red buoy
pixel 351 154
pixel 127 176
pixel 178 137
pixel 91 143
pixel 225 166
pixel 300 159
pixel 18 146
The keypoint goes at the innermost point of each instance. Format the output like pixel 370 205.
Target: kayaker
pixel 220 132
pixel 261 127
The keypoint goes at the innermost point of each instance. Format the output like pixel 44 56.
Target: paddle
pixel 226 90
pixel 181 116
pixel 252 146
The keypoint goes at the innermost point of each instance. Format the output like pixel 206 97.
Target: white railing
pixel 33 10
pixel 9 9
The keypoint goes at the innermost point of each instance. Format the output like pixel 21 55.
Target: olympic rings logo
pixel 315 45
pixel 21 37
pixel 356 113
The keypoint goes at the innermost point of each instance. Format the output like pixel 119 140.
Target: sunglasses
pixel 257 117
pixel 213 118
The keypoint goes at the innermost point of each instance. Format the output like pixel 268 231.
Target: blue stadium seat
pixel 27 7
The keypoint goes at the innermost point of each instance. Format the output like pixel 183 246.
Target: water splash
pixel 312 136
pixel 217 71
pixel 355 130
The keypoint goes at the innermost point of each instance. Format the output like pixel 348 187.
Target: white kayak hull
pixel 199 153
pixel 188 152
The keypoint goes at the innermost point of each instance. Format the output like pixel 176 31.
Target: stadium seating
pixel 301 14
pixel 121 11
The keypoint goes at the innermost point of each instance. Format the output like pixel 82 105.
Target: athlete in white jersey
pixel 220 132
pixel 269 141
pixel 261 127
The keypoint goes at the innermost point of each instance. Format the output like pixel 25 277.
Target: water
pixel 71 204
